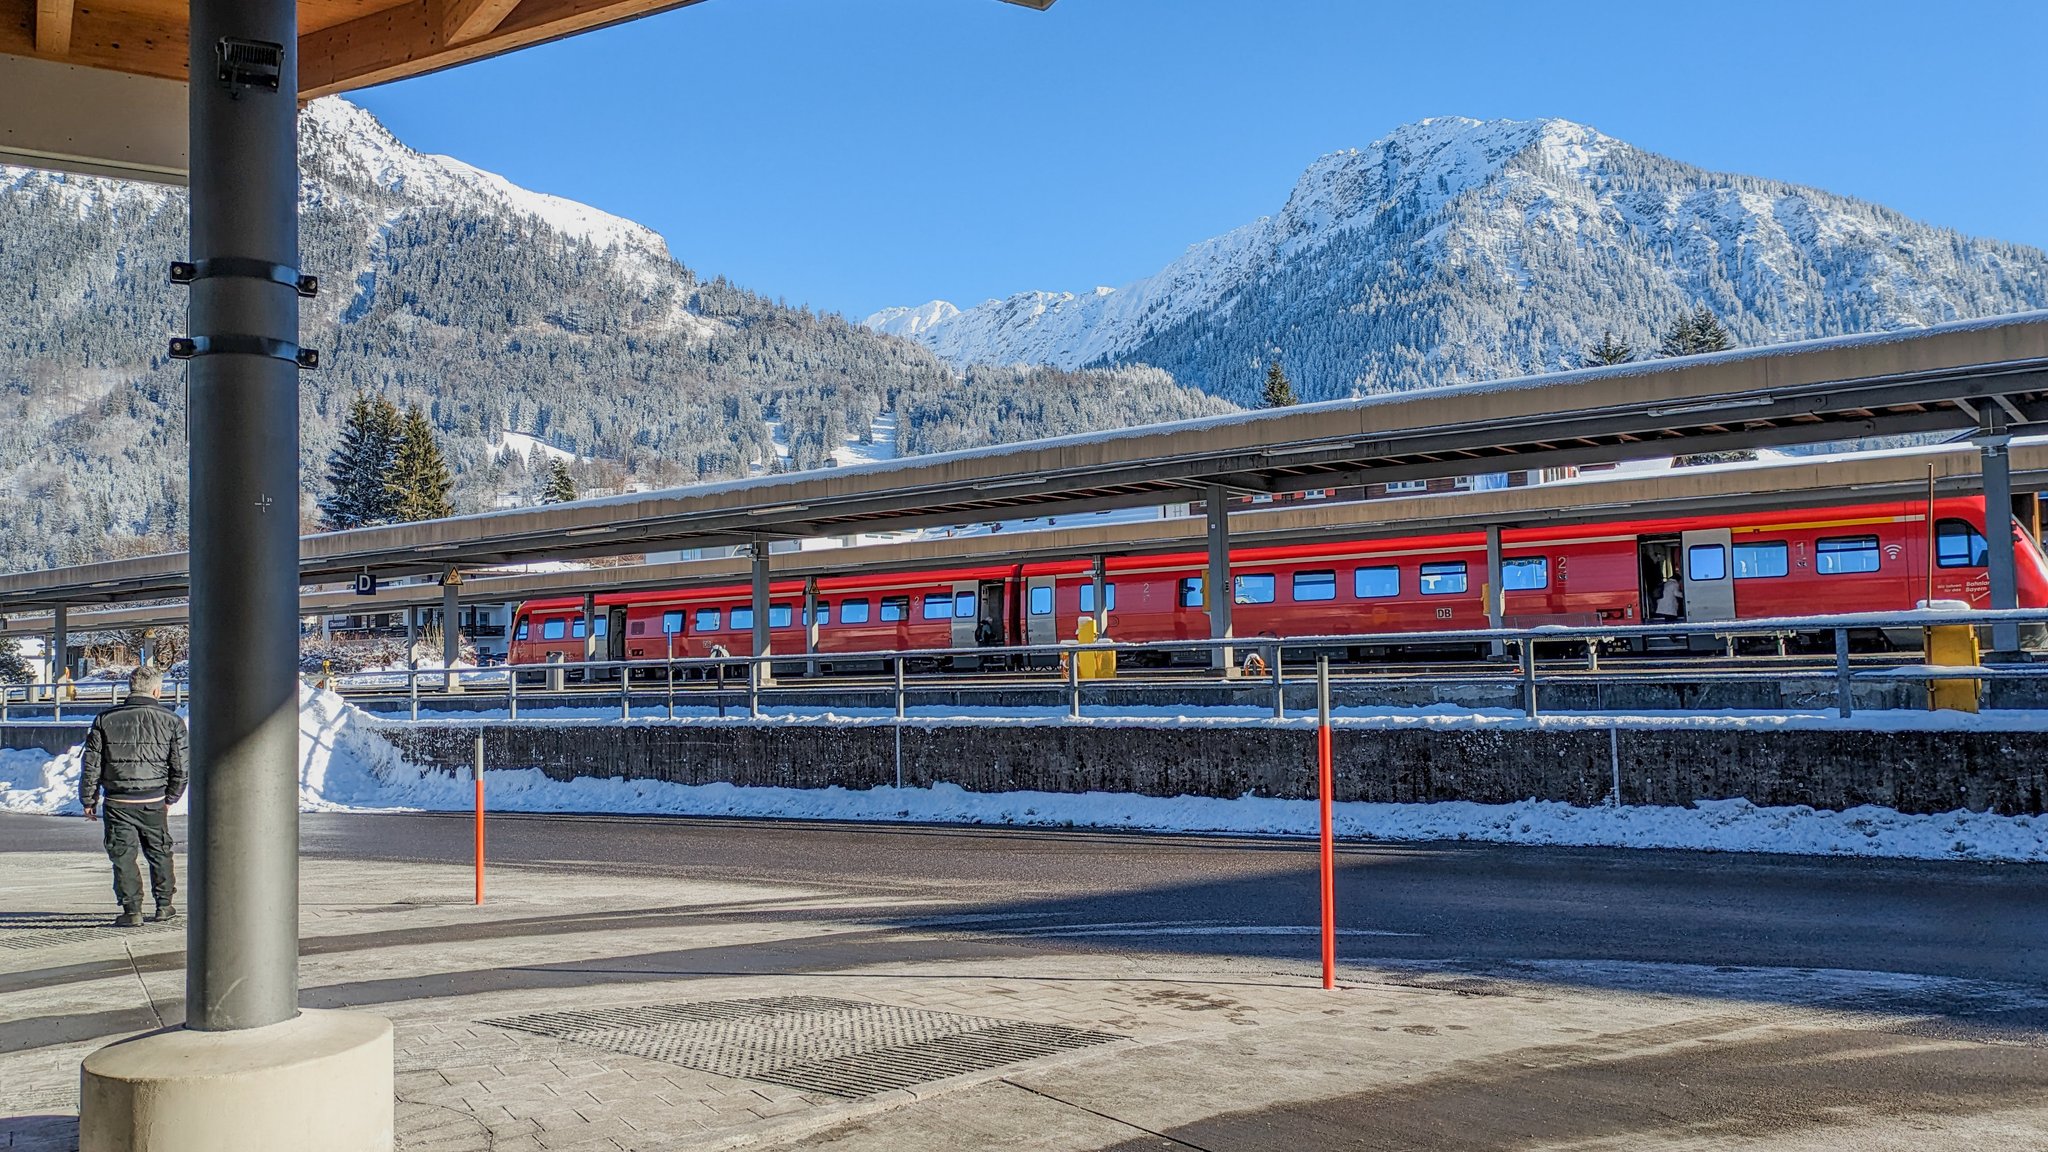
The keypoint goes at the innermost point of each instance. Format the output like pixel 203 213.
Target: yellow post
pixel 1952 646
pixel 1092 665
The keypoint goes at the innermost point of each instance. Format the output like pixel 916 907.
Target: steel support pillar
pixel 1496 598
pixel 589 630
pixel 451 628
pixel 1217 587
pixel 1993 444
pixel 1100 576
pixel 242 416
pixel 811 625
pixel 763 645
pixel 60 642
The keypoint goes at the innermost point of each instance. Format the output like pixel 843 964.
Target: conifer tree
pixel 561 487
pixel 1696 334
pixel 359 467
pixel 1279 390
pixel 1608 350
pixel 419 482
pixel 14 668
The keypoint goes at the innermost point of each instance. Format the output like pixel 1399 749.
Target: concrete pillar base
pixel 319 1083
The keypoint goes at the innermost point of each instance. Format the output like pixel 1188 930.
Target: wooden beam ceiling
pixel 53 26
pixel 343 44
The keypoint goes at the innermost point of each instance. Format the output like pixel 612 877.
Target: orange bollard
pixel 479 818
pixel 1324 774
pixel 1329 859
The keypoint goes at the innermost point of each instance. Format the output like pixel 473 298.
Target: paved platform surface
pixel 657 985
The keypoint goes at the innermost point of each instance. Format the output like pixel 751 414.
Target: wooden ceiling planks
pixel 343 44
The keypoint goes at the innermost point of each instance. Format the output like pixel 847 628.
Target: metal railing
pixel 732 682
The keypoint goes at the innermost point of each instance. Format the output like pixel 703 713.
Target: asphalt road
pixel 1479 904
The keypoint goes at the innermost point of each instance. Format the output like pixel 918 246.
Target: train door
pixel 615 635
pixel 1041 626
pixel 965 601
pixel 1709 576
pixel 989 628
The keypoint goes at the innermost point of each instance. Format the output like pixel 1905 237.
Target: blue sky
pixel 851 154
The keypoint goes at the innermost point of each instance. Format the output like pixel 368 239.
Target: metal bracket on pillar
pixel 191 347
pixel 236 267
pixel 240 63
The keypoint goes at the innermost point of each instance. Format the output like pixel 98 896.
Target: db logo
pixel 1443 613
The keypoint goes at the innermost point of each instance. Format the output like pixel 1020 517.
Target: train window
pixel 1376 583
pixel 601 621
pixel 1957 544
pixel 522 630
pixel 853 612
pixel 742 619
pixel 1838 555
pixel 576 628
pixel 1755 561
pixel 706 620
pixel 1525 573
pixel 823 611
pixel 1041 600
pixel 895 608
pixel 1443 579
pixel 554 629
pixel 963 606
pixel 1258 589
pixel 1408 486
pixel 1706 562
pixel 1315 586
pixel 1191 592
pixel 671 623
pixel 1088 596
pixel 779 615
pixel 938 607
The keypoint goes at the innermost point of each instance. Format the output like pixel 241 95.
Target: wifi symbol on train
pixel 1891 551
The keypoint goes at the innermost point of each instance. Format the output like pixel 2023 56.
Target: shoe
pixel 129 918
pixel 164 911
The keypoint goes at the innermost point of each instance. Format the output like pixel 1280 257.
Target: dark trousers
pixel 147 827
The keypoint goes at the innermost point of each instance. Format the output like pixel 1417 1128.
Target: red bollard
pixel 479 818
pixel 1324 774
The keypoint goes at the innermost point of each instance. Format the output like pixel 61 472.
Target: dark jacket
pixel 135 750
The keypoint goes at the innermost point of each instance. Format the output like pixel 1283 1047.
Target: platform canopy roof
pixel 1895 476
pixel 1949 378
pixel 343 44
pixel 98 86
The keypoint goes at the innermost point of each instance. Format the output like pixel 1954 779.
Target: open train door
pixel 615 637
pixel 1708 569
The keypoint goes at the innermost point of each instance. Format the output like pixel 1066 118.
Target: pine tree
pixel 561 487
pixel 419 482
pixel 358 468
pixel 1279 390
pixel 1608 351
pixel 14 668
pixel 1696 334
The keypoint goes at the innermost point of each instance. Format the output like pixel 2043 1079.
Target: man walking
pixel 135 753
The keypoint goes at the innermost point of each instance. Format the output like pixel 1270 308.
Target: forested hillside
pixel 491 308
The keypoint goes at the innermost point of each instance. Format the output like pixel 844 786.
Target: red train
pixel 1862 558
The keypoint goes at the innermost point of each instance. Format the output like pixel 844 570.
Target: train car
pixel 1795 562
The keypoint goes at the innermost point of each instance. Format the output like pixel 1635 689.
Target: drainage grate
pixel 24 930
pixel 811 1043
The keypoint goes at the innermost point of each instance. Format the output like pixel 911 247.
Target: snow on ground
pixel 346 765
pixel 523 444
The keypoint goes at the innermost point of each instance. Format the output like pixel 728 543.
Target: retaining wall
pixel 1835 769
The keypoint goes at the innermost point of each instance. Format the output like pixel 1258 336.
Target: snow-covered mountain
pixel 1459 249
pixel 524 326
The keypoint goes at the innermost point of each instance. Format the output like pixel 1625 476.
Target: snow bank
pixel 345 764
pixel 340 752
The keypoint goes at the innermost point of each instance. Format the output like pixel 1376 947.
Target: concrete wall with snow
pixel 1912 771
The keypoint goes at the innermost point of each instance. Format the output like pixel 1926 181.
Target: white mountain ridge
pixel 1457 249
